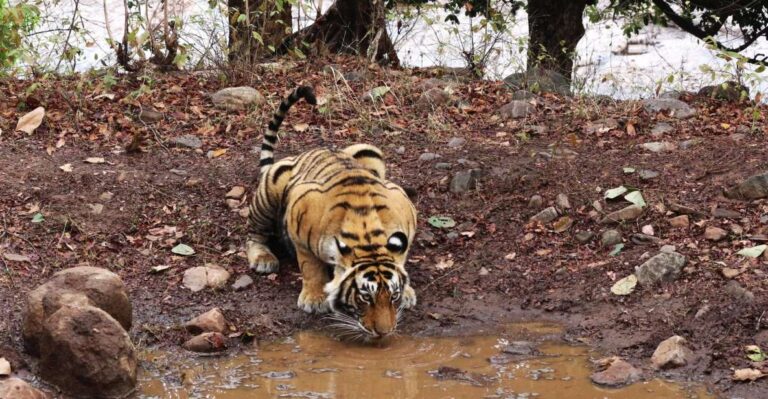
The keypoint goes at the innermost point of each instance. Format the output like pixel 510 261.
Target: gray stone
pixel 87 353
pixel 739 293
pixel 545 216
pixel 428 156
pixel 357 76
pixel 755 187
pixel 433 99
pixel 242 282
pixel 619 373
pixel 668 249
pixel 443 166
pixel 675 108
pixel 562 201
pixel 197 278
pixel 647 174
pixel 536 201
pixel 674 94
pixel 686 144
pixel 723 213
pixel 610 238
pixel 726 91
pixel 400 150
pixel 456 142
pixel 82 285
pixel 468 163
pixel 659 146
pixel 516 109
pixel 522 95
pixel 584 236
pixel 188 141
pixel 539 80
pixel 520 348
pixel 206 343
pixel 660 129
pixel 237 98
pixel 601 126
pixel 464 180
pixel 671 353
pixel 663 267
pixel 16 388
pixel 629 213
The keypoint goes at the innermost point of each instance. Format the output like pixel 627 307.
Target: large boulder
pixel 664 267
pixel 75 286
pixel 755 187
pixel 16 388
pixel 237 98
pixel 87 353
pixel 539 80
pixel 726 91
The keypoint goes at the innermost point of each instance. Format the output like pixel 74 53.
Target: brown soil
pixel 533 272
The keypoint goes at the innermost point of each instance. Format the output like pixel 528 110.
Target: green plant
pixel 15 21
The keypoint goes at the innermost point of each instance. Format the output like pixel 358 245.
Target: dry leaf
pixel 217 153
pixel 16 257
pixel 67 167
pixel 94 160
pixel 510 256
pixel 301 127
pixel 631 129
pixel 747 375
pixel 31 121
pixel 444 264
pixel 5 367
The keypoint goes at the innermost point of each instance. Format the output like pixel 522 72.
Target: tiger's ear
pixel 369 157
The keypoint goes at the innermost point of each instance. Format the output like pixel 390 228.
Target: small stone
pixel 520 348
pixel 150 116
pixel 686 144
pixel 443 166
pixel 464 180
pixel 729 273
pixel 646 174
pixel 546 216
pixel 5 367
pixel 242 282
pixel 671 353
pixel 682 209
pixel 188 141
pixel 16 388
pixel 659 146
pixel 456 142
pixel 675 108
pixel 601 126
pixel 619 373
pixel 597 205
pixel 668 249
pixel 726 91
pixel 210 321
pixel 536 201
pixel 647 230
pixel 663 267
pixel 516 109
pixel 206 343
pixel 236 192
pixel 400 150
pixel 739 293
pixel 237 98
pixel 232 203
pixel 468 163
pixel 629 213
pixel 428 156
pixel 680 221
pixel 356 76
pixel 193 181
pixel 610 238
pixel 106 196
pixel 713 233
pixel 755 187
pixel 584 236
pixel 484 271
pixel 644 239
pixel 737 229
pixel 96 209
pixel 522 95
pixel 660 129
pixel 433 98
pixel 562 201
pixel 725 213
pixel 199 277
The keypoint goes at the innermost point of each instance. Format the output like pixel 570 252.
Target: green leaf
pixel 563 224
pixel 616 249
pixel 38 218
pixel 378 92
pixel 160 269
pixel 257 36
pixel 615 192
pixel 636 198
pixel 183 249
pixel 441 222
pixel 629 170
pixel 755 354
pixel 625 286
pixel 753 252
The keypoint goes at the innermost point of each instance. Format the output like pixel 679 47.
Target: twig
pixel 69 34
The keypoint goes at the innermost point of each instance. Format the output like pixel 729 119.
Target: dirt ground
pixel 493 267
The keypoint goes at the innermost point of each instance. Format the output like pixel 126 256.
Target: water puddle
pixel 312 365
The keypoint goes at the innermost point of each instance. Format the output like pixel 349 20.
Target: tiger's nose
pixel 383 330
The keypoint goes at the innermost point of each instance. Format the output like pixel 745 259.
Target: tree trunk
pixel 353 27
pixel 555 28
pixel 272 24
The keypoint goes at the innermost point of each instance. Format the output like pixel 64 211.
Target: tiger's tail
pixel 270 135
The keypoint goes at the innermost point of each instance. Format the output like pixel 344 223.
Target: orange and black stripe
pixel 270 135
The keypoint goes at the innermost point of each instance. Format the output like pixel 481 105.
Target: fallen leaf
pixel 631 129
pixel 625 286
pixel 616 249
pixel 615 192
pixel 629 170
pixel 753 252
pixel 441 221
pixel 160 268
pixel 725 126
pixel 747 375
pixel 636 198
pixel 5 367
pixel 378 92
pixel 301 127
pixel 444 264
pixel 109 96
pixel 468 234
pixel 217 152
pixel 94 160
pixel 16 257
pixel 510 256
pixel 183 249
pixel 755 354
pixel 38 218
pixel 31 121
pixel 67 167
pixel 563 224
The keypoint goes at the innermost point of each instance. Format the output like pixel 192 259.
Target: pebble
pixel 106 196
pixel 646 174
pixel 671 353
pixel 536 201
pixel 660 129
pixel 242 282
pixel 610 238
pixel 562 201
pixel 729 273
pixel 456 142
pixel 237 98
pixel 675 108
pixel 188 141
pixel 584 236
pixel 443 166
pixel 629 213
pixel 206 343
pixel 464 180
pixel 681 221
pixel 725 213
pixel 197 278
pixel 668 248
pixel 400 150
pixel 713 233
pixel 210 321
pixel 618 374
pixel 428 156
pixel 659 146
pixel 663 267
pixel 545 216
pixel 516 109
pixel 235 192
pixel 484 271
pixel 647 230
pixel 737 292
pixel 755 187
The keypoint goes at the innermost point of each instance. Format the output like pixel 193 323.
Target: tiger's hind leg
pixel 262 216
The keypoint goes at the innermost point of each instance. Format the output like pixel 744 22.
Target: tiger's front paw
pixel 260 259
pixel 409 297
pixel 313 302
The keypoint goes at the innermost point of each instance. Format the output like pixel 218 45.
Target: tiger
pixel 350 229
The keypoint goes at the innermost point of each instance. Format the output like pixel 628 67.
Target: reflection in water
pixel 311 365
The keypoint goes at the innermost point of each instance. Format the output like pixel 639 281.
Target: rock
pixel 610 238
pixel 443 166
pixel 646 174
pixel 736 229
pixel 668 249
pixel 199 277
pixel 686 144
pixel 755 187
pixel 584 236
pixel 464 180
pixel 87 353
pixel 644 239
pixel 725 213
pixel 629 213
pixel 726 91
pixel 149 116
pixel 232 203
pixel 682 209
pixel 739 293
pixel 671 94
pixel 536 201
pixel 433 98
pixel 5 367
pixel 540 80
pixel 210 321
pixel 729 273
pixel 660 129
pixel 522 95
pixel 671 353
pixel 357 76
pixel 236 192
pixel 562 201
pixel 713 233
pixel 545 216
pixel 82 285
pixel 428 156
pixel 676 108
pixel 619 373
pixel 483 271
pixel 16 388
pixel 601 126
pixel 400 150
pixel 516 109
pixel 206 343
pixel 647 230
pixel 659 146
pixel 188 141
pixel 431 83
pixel 661 267
pixel 242 282
pixel 468 163
pixel 520 348
pixel 106 196
pixel 680 222
pixel 456 142
pixel 237 98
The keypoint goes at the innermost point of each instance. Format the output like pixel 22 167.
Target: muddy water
pixel 312 365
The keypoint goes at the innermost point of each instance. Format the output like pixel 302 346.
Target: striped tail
pixel 270 135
